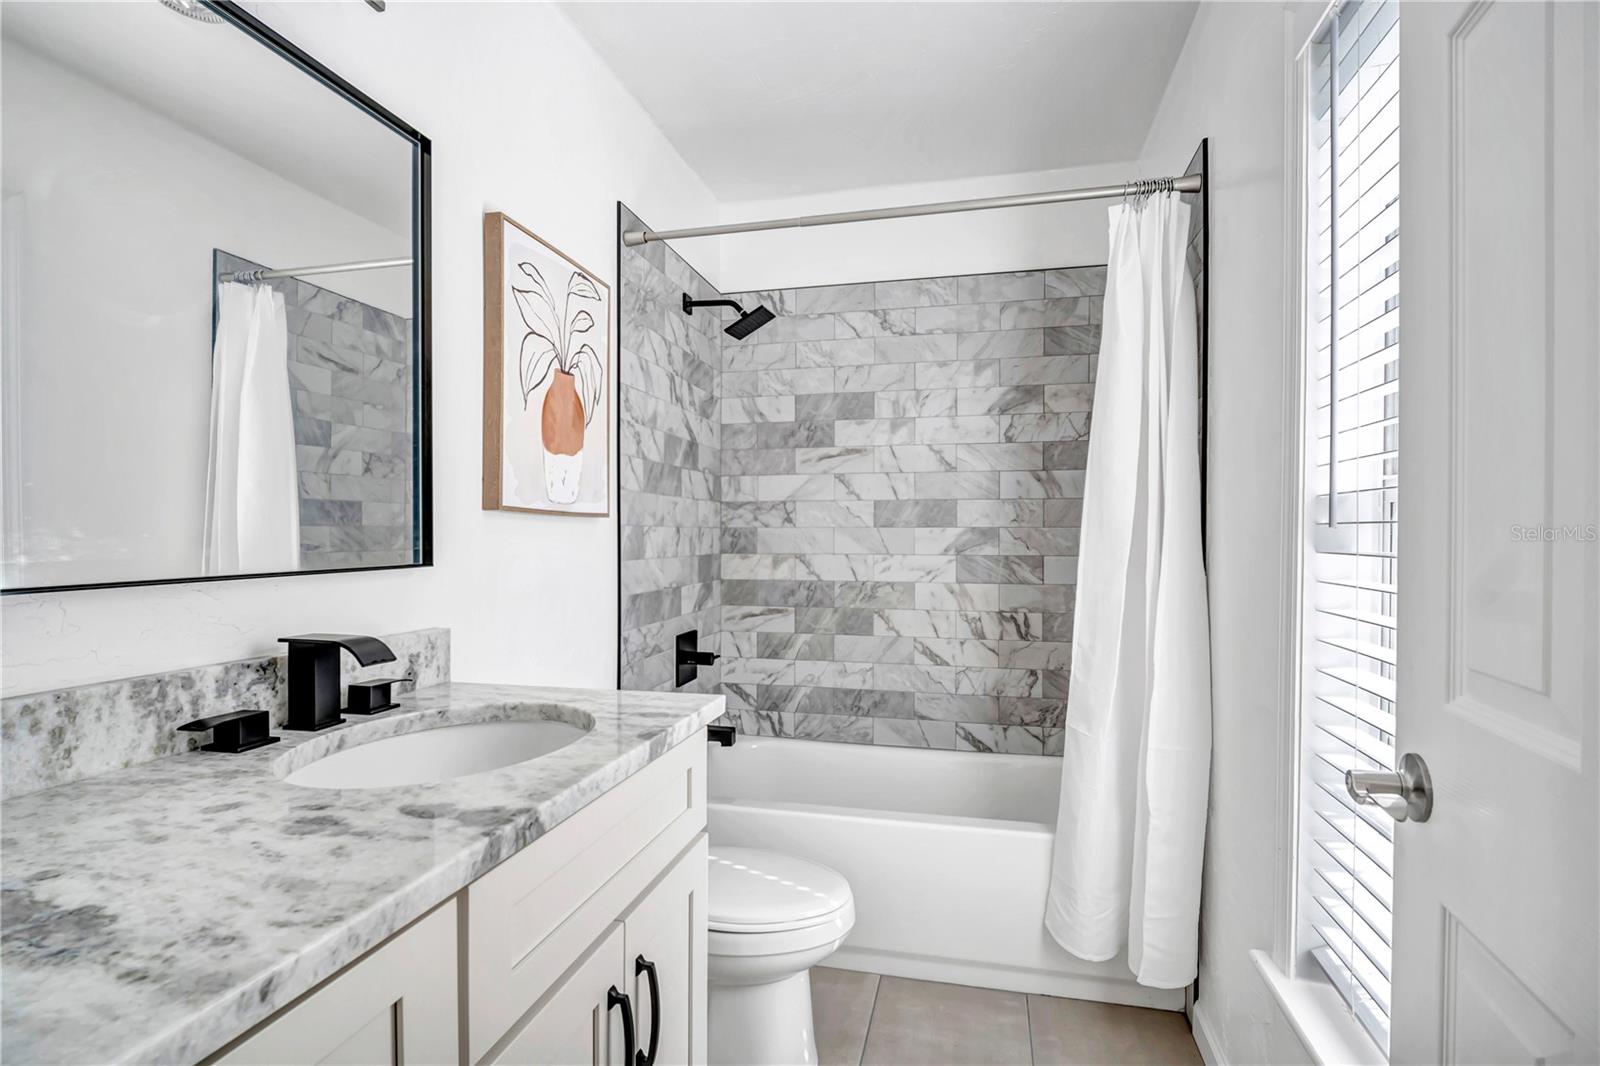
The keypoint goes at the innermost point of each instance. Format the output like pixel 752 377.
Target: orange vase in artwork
pixel 562 427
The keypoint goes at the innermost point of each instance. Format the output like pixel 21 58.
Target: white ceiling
pixel 780 99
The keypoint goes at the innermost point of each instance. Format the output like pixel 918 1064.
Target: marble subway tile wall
pixel 668 458
pixel 351 383
pixel 902 483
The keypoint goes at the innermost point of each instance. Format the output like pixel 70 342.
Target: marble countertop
pixel 153 914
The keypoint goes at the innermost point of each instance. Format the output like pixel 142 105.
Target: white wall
pixel 975 242
pixel 525 119
pixel 1230 85
pixel 113 371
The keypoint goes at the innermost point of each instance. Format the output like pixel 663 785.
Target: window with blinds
pixel 1352 375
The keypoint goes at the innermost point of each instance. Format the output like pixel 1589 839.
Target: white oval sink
pixel 440 754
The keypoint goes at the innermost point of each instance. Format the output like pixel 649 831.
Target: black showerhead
pixel 747 322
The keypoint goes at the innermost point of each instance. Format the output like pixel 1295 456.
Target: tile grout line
pixel 1027 1007
pixel 877 990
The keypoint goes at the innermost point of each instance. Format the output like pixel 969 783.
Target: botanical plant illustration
pixel 552 332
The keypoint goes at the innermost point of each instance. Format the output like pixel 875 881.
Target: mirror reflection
pixel 209 299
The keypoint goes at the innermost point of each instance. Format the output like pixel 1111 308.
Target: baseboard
pixel 1007 978
pixel 1204 1037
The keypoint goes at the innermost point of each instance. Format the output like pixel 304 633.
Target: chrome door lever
pixel 1404 795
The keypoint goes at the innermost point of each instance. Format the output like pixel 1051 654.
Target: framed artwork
pixel 546 377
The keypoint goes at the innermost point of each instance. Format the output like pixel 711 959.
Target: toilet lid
pixel 757 891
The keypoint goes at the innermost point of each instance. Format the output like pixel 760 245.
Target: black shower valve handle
pixel 689 658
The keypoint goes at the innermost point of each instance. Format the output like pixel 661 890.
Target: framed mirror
pixel 214 286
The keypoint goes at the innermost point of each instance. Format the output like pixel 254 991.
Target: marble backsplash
pixel 52 738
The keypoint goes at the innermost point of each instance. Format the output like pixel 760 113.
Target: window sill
pixel 1320 1019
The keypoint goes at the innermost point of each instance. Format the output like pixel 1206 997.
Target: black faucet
pixel 314 674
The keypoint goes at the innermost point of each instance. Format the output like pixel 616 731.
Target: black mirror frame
pixel 422 331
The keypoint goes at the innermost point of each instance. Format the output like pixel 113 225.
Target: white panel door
pixel 1497 900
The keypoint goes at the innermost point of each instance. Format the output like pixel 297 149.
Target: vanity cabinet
pixel 517 968
pixel 397 1005
pixel 627 858
pixel 577 1020
pixel 667 929
pixel 576 1023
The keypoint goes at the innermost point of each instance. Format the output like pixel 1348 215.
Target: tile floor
pixel 866 1020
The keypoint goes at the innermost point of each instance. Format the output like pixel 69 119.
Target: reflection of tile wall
pixel 902 491
pixel 668 460
pixel 352 388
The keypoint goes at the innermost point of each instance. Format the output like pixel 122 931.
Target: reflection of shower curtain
pixel 252 484
pixel 1131 829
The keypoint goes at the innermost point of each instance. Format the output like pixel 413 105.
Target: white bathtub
pixel 947 852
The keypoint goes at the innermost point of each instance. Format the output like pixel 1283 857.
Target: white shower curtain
pixel 252 520
pixel 1131 828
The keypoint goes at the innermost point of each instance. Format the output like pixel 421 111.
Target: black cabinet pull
pixel 642 965
pixel 630 1046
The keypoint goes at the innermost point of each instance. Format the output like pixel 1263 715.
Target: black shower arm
pixel 689 305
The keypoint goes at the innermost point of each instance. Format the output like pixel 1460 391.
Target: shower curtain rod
pixel 1188 183
pixel 295 272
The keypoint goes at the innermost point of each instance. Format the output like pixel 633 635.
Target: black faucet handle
pixel 369 651
pixel 234 732
pixel 377 694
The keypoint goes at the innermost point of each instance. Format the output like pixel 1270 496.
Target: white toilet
pixel 772 917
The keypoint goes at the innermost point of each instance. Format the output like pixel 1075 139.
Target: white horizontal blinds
pixel 1352 374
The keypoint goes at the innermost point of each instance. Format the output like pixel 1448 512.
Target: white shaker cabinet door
pixel 574 1024
pixel 666 930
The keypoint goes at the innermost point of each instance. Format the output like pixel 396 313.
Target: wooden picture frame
pixel 547 385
